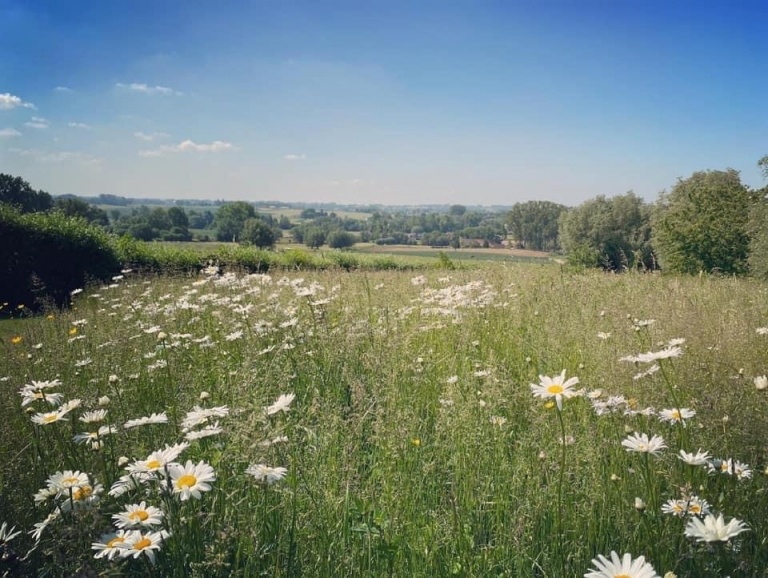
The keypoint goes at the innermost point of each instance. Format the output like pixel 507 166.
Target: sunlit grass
pixel 414 445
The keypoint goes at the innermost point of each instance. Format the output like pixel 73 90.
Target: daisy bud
pixel 615 478
pixel 726 419
pixel 122 460
pixel 113 378
pixel 162 336
pixel 542 455
pixel 204 395
pixel 670 575
pixel 639 505
pixel 761 382
pixel 104 401
pixel 628 429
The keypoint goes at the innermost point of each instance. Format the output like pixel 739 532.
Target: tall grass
pixel 414 443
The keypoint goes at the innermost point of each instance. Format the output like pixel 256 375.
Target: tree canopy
pixel 613 233
pixel 701 224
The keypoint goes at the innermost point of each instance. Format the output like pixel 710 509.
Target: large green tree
pixel 17 192
pixel 535 224
pixel 258 232
pixel 612 233
pixel 701 224
pixel 757 227
pixel 230 220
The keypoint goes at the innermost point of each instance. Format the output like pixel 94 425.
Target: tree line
pixel 709 222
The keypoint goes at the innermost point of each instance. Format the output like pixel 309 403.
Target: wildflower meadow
pixel 500 420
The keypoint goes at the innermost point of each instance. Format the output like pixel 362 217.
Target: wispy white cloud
pixel 9 101
pixel 148 137
pixel 63 89
pixel 189 146
pixel 37 122
pixel 58 156
pixel 9 133
pixel 293 157
pixel 79 125
pixel 146 89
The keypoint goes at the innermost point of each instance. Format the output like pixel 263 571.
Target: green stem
pixel 560 535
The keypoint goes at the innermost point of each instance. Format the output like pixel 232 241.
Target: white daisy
pixel 157 460
pixel 95 416
pixel 266 474
pixel 700 458
pixel 207 431
pixel 110 545
pixel 556 387
pixel 30 395
pixel 651 356
pixel 138 516
pixel 7 535
pixel 190 480
pixel 714 529
pixel 155 418
pixel 642 444
pixel 49 417
pixel 624 567
pixel 677 415
pixel 282 404
pixel 138 543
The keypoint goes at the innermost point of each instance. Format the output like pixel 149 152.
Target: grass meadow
pixel 332 424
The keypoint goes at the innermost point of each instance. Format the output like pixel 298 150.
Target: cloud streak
pixel 149 137
pixel 81 125
pixel 9 133
pixel 189 146
pixel 9 101
pixel 146 89
pixel 293 157
pixel 37 122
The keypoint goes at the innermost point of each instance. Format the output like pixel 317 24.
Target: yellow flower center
pixel 186 481
pixel 115 541
pixel 675 414
pixel 555 389
pixel 71 480
pixel 139 515
pixel 38 395
pixel 153 464
pixel 695 508
pixel 82 493
pixel 622 576
pixel 50 418
pixel 143 543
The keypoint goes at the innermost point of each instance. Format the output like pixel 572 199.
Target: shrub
pixel 45 256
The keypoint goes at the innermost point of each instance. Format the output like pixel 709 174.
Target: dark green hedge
pixel 45 256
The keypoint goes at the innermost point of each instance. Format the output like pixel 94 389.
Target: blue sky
pixel 396 102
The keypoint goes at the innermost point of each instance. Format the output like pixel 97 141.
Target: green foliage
pixel 74 207
pixel 339 239
pixel 701 224
pixel 258 233
pixel 313 237
pixel 535 224
pixel 45 256
pixel 17 192
pixel 612 233
pixel 757 228
pixel 230 220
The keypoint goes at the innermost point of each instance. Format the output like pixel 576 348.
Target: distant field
pixel 292 213
pixel 454 254
pixel 416 251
